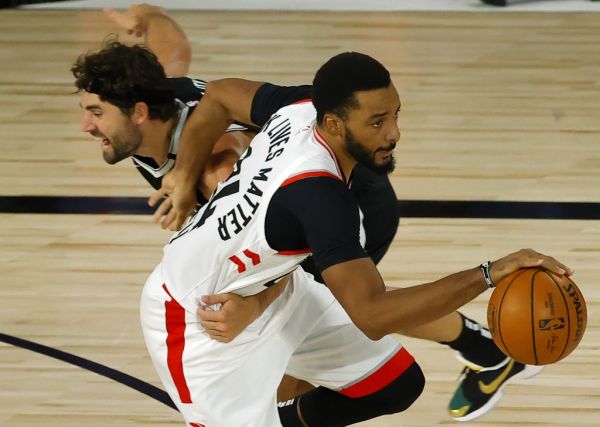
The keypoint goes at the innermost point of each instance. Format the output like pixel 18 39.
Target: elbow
pixel 367 317
pixel 371 328
pixel 374 335
pixel 186 49
pixel 177 68
pixel 181 63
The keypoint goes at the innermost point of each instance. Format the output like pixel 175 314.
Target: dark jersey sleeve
pixel 379 205
pixel 317 213
pixel 269 98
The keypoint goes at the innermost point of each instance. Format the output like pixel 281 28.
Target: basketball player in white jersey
pixel 288 196
pixel 467 338
pixel 472 341
pixel 250 216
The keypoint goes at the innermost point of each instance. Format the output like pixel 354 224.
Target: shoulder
pixel 301 110
pixel 318 190
pixel 187 89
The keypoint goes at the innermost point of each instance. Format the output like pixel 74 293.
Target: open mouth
pixel 386 153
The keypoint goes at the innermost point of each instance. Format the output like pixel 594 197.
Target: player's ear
pixel 333 123
pixel 141 113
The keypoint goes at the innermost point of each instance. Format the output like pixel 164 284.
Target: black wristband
pixel 485 269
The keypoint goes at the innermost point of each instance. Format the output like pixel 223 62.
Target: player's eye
pixel 377 124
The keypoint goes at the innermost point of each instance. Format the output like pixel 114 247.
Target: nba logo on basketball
pixel 551 324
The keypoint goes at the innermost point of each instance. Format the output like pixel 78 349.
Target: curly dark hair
pixel 123 75
pixel 339 78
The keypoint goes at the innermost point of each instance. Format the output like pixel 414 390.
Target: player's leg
pixel 326 407
pixel 359 378
pixel 214 383
pixel 485 364
pixel 472 341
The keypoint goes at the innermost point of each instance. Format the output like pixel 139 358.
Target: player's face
pixel 119 137
pixel 371 129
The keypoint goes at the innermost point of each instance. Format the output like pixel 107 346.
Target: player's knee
pixel 401 393
pixel 324 407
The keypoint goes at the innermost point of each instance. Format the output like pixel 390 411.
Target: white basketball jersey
pixel 223 247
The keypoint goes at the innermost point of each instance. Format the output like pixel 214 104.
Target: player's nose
pixel 394 133
pixel 87 125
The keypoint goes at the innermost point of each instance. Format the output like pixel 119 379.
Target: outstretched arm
pixel 162 35
pixel 358 287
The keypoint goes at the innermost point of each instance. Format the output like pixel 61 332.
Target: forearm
pixel 358 286
pixel 266 297
pixel 360 289
pixel 204 127
pixel 224 102
pixel 169 43
pixel 236 312
pixel 409 307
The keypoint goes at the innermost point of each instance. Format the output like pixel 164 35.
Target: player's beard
pixel 123 145
pixel 367 158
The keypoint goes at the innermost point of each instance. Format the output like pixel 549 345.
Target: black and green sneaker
pixel 480 390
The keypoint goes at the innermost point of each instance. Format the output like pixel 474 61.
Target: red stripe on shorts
pixel 175 322
pixel 382 377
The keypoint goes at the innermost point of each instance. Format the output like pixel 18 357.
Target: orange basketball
pixel 536 317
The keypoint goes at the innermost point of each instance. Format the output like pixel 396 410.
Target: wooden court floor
pixel 496 107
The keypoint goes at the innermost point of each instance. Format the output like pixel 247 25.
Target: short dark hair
pixel 123 75
pixel 339 78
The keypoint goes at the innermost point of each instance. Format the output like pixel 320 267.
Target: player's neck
pixel 336 143
pixel 157 139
